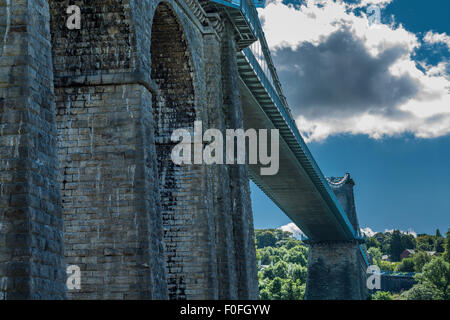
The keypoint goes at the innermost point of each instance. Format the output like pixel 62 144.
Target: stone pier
pixel 336 269
pixel 31 224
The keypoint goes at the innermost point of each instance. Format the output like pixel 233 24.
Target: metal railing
pixel 260 3
pixel 248 11
pixel 257 50
pixel 233 3
pixel 262 47
pixel 254 63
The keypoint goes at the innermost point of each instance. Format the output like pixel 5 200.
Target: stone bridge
pixel 85 170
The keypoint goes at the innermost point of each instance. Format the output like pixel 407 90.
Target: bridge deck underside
pixel 291 189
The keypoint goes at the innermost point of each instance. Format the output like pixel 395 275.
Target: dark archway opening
pixel 173 108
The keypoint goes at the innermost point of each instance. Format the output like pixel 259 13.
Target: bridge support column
pixel 108 164
pixel 241 211
pixel 31 240
pixel 335 271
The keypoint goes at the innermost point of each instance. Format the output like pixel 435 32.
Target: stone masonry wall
pixel 85 168
pixel 186 204
pixel 31 238
pixel 241 210
pixel 112 217
pixel 220 178
pixel 108 172
pixel 336 269
pixel 335 272
pixel 345 195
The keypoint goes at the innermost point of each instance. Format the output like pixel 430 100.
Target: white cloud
pixel 292 228
pixel 409 232
pixel 378 3
pixel 368 232
pixel 377 90
pixel 375 2
pixel 286 25
pixel 437 38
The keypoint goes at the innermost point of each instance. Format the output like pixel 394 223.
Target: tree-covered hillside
pixel 282 263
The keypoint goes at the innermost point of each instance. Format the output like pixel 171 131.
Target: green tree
pixel 395 245
pixel 382 295
pixel 372 242
pixel 264 294
pixel 287 290
pixel 420 259
pixel 436 274
pixel 446 254
pixel 299 290
pixel 266 239
pixel 268 273
pixel 275 288
pixel 297 272
pixel 277 253
pixel 398 242
pixel 285 260
pixel 425 242
pixel 386 265
pixel 264 256
pixel 280 269
pixel 375 253
pixel 297 254
pixel 292 290
pixel 438 242
pixel 408 241
pixel 383 240
pixel 290 243
pixel 406 265
pixel 422 291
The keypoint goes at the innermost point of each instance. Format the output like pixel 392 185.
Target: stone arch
pixel 186 35
pixel 182 188
pixel 172 70
pixel 173 108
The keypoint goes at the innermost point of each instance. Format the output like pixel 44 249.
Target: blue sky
pixel 388 126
